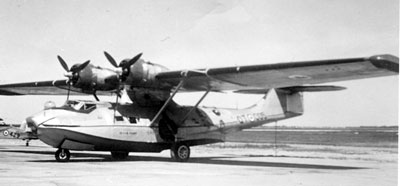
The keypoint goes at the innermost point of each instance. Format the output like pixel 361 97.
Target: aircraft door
pixel 167 128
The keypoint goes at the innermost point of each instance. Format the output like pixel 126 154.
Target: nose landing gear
pixel 62 155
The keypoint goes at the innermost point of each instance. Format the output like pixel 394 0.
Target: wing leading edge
pixel 281 75
pixel 57 87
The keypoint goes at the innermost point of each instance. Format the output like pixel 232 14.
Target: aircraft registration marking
pixel 246 118
pixel 127 133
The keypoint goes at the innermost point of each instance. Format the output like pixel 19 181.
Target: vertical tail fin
pixel 278 102
pixel 291 102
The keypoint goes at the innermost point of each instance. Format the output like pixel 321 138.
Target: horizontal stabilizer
pixel 313 88
pixel 295 89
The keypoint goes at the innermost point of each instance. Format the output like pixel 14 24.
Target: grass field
pixel 355 136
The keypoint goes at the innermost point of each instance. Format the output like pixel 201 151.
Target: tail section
pixel 287 101
pixel 278 104
pixel 292 103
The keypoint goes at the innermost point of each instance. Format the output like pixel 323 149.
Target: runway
pixel 224 164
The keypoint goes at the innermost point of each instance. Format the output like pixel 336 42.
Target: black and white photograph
pixel 199 92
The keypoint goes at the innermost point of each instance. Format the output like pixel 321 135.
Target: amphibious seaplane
pixel 154 122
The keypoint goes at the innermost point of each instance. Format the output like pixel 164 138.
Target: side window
pixel 119 118
pixel 132 120
pixel 90 106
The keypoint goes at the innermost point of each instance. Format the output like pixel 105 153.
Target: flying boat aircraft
pixel 154 122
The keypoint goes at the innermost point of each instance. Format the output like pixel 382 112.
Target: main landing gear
pixel 27 142
pixel 180 152
pixel 62 155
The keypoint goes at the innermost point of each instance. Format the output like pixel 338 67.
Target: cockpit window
pixel 80 106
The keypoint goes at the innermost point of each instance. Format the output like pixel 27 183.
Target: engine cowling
pixel 94 78
pixel 90 78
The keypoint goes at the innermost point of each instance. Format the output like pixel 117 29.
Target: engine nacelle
pixel 143 74
pixel 142 85
pixel 93 78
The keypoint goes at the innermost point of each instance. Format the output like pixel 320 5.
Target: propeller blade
pixel 134 60
pixel 77 68
pixel 63 63
pixel 111 59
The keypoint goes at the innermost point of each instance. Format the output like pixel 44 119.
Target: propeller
pixel 126 68
pixel 73 72
pixel 124 64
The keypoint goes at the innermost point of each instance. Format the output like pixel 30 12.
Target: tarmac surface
pixel 224 164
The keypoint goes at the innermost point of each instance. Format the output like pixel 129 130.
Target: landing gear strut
pixel 62 155
pixel 180 152
pixel 27 142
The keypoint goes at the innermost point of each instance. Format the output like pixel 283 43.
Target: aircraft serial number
pixel 246 118
pixel 127 133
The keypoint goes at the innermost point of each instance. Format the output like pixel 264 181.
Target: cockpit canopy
pixel 82 105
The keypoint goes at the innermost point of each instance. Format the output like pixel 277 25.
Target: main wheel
pixel 62 155
pixel 180 152
pixel 119 155
pixel 6 133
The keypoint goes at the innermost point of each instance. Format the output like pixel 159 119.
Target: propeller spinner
pixel 124 64
pixel 73 72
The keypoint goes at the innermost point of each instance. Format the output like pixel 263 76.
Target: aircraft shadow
pixel 270 164
pixel 77 157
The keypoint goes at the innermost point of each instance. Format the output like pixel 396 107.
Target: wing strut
pixel 195 106
pixel 95 96
pixel 168 101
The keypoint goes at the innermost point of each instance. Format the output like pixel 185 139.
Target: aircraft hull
pixel 80 138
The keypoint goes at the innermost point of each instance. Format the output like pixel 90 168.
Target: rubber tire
pixel 62 155
pixel 180 152
pixel 119 155
pixel 6 132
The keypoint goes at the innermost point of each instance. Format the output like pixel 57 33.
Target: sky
pixel 187 34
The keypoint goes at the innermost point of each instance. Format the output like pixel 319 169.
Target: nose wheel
pixel 5 132
pixel 180 152
pixel 62 155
